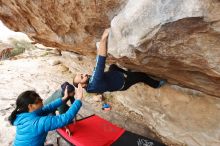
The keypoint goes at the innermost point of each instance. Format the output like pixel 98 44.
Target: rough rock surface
pixel 176 40
pixel 66 24
pixel 5 50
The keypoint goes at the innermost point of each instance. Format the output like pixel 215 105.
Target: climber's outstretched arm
pixel 102 50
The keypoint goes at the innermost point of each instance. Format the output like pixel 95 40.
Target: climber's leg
pixel 136 77
pixel 114 67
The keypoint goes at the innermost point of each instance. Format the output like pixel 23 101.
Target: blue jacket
pixel 101 81
pixel 32 127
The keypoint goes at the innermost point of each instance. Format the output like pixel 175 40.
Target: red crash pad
pixel 92 131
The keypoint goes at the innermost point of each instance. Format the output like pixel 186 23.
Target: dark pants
pixel 132 78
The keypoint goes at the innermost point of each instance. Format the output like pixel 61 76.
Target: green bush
pixel 19 46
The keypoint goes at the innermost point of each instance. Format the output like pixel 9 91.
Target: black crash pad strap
pixel 131 139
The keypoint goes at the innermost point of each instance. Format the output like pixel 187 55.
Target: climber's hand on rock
pixel 102 50
pixel 105 34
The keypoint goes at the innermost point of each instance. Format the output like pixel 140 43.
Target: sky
pixel 6 33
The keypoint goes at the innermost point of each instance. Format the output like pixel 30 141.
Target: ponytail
pixel 22 102
pixel 13 115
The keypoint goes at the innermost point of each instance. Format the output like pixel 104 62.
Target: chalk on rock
pixel 98 98
pixel 97 45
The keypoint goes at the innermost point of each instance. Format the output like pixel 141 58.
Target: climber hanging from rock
pixel 115 79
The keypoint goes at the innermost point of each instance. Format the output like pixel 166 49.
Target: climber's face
pixel 81 79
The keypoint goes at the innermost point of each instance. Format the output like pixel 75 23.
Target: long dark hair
pixel 22 102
